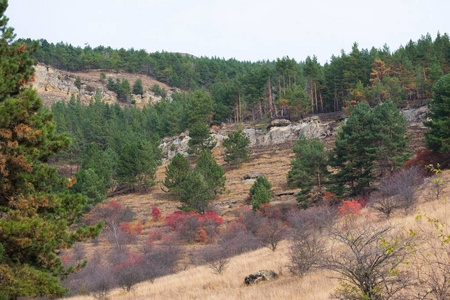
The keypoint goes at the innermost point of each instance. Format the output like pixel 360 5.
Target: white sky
pixel 243 29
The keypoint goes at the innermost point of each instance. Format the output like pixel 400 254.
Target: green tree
pixel 438 135
pixel 309 170
pixel 195 193
pixel 353 153
pixel 201 140
pixel 389 130
pixel 177 172
pixel 102 77
pixel 137 164
pixel 236 147
pixel 201 107
pixel 212 174
pixel 77 82
pixel 260 192
pixel 35 218
pixel 137 87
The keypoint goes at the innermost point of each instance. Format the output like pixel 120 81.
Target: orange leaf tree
pixel 35 211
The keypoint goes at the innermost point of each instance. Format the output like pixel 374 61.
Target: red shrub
pixel 425 157
pixel 155 234
pixel 268 211
pixel 130 230
pixel 187 225
pixel 349 209
pixel 156 214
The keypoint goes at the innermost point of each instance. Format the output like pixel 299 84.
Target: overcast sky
pixel 243 29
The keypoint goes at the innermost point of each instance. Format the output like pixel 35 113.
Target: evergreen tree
pixel 201 140
pixel 438 135
pixel 212 174
pixel 389 131
pixel 260 192
pixel 137 87
pixel 177 172
pixel 195 193
pixel 354 154
pixel 236 147
pixel 201 107
pixel 137 164
pixel 309 170
pixel 77 82
pixel 35 219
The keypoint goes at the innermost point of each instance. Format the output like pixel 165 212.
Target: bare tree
pixel 436 187
pixel 306 253
pixel 113 214
pixel 368 260
pixel 398 191
pixel 432 263
pixel 271 233
pixel 216 257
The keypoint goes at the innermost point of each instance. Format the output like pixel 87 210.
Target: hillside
pixel 55 85
pixel 200 283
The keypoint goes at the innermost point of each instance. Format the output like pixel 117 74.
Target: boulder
pixel 279 123
pixel 251 176
pixel 262 275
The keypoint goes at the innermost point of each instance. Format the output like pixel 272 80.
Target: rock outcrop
pixel 262 275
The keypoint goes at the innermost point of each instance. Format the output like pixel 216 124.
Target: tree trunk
pixel 240 108
pixel 315 96
pixel 312 95
pixel 270 98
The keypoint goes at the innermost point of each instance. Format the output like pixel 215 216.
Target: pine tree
pixel 260 192
pixel 212 174
pixel 137 87
pixel 77 82
pixel 176 173
pixel 201 140
pixel 236 147
pixel 438 135
pixel 354 154
pixel 35 218
pixel 389 131
pixel 194 193
pixel 309 170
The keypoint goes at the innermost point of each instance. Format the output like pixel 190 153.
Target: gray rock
pixel 262 275
pixel 279 123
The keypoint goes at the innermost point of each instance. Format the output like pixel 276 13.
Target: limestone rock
pixel 262 275
pixel 279 123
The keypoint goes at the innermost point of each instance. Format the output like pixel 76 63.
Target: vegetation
pixel 36 208
pixel 236 147
pixel 260 192
pixel 309 170
pixel 285 87
pixel 438 135
pixel 116 147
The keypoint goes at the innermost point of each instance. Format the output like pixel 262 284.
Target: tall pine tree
pixel 438 135
pixel 353 154
pixel 34 218
pixel 309 170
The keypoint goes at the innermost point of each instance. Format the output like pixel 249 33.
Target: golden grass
pixel 200 283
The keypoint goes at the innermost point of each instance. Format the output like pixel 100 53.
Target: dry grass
pixel 200 283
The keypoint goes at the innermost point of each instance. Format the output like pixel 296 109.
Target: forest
pixel 284 87
pixel 358 197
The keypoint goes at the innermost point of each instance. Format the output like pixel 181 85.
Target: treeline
pixel 245 90
pixel 113 147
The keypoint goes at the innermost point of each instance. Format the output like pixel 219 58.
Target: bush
pixel 260 192
pixel 193 226
pixel 129 272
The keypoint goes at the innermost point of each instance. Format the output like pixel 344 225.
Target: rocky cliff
pixel 56 85
pixel 283 131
